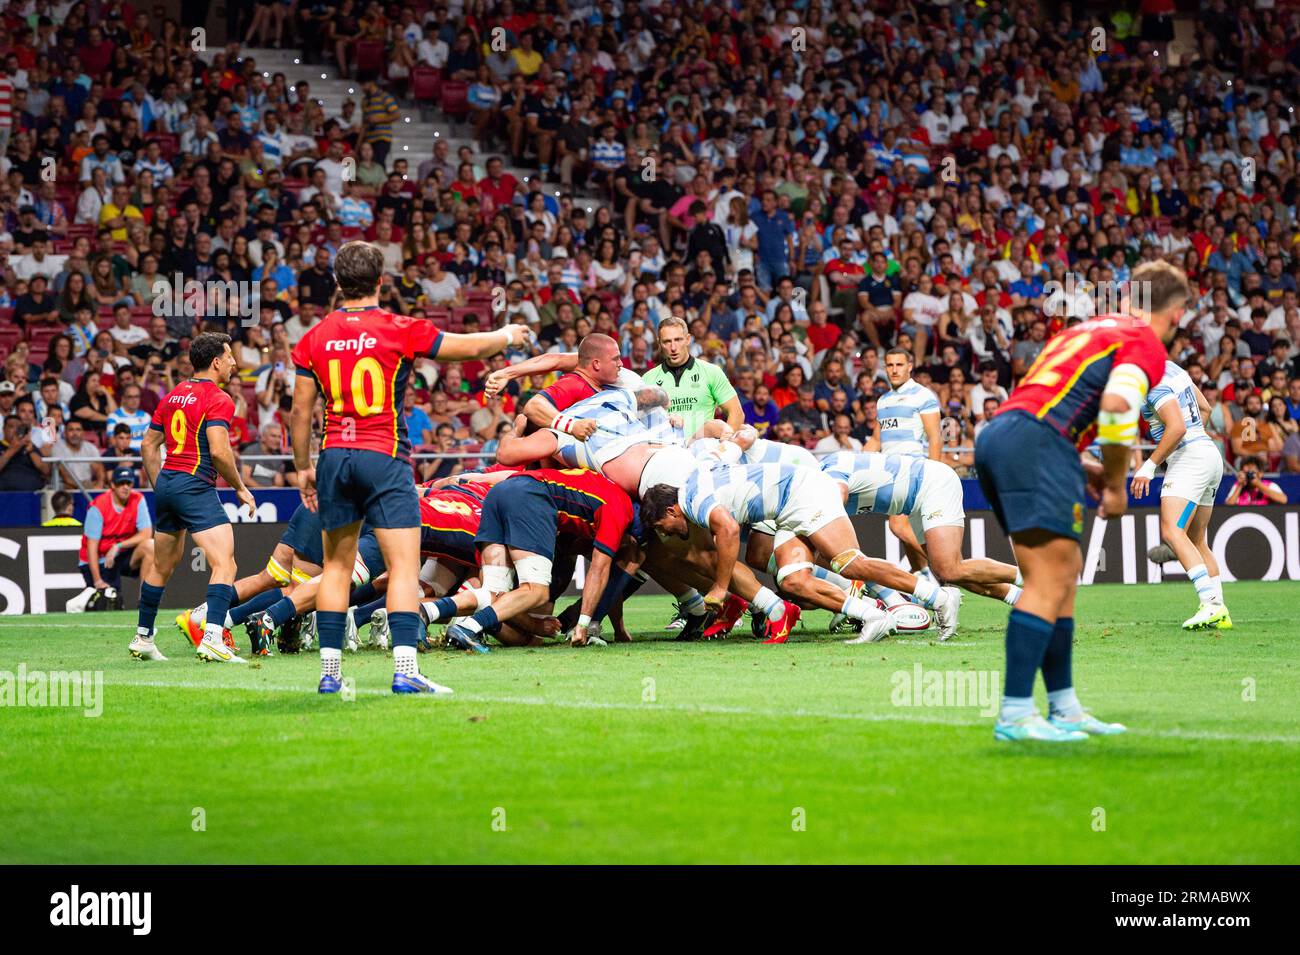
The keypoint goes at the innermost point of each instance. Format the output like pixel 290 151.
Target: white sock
pixel 200 614
pixel 1016 708
pixel 860 609
pixel 213 632
pixel 404 661
pixel 1013 594
pixel 1020 578
pixel 890 598
pixel 1217 583
pixel 927 574
pixel 772 606
pixel 1200 578
pixel 927 592
pixel 145 633
pixel 229 623
pixel 472 625
pixel 1064 703
pixel 833 578
pixel 331 661
pixel 692 604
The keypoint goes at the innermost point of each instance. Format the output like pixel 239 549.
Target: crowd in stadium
pixel 803 184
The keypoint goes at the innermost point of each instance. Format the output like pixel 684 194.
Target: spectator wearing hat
pixel 117 540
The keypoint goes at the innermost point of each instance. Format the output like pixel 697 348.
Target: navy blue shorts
pixel 183 502
pixel 354 485
pixel 1031 475
pixel 303 535
pixel 370 554
pixel 519 513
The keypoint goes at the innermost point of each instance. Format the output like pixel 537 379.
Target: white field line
pixel 706 709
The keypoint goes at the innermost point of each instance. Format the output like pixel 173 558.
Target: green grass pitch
pixel 661 752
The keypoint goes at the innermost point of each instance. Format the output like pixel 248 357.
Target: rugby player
pixel 1091 377
pixel 1174 411
pixel 908 416
pixel 358 358
pixel 193 423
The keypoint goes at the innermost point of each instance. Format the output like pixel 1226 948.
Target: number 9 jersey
pixel 184 417
pixel 361 359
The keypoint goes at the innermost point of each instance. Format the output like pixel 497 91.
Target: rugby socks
pixel 367 610
pixel 404 661
pixel 150 598
pixel 890 598
pixel 1027 640
pixel 330 627
pixel 843 583
pixel 406 628
pixel 282 611
pixel 252 606
pixel 1013 594
pixel 1217 583
pixel 692 603
pixel 484 619
pixel 219 599
pixel 1200 578
pixel 860 609
pixel 1056 660
pixel 444 608
pixel 927 592
pixel 619 580
pixel 200 614
pixel 772 606
pixel 363 594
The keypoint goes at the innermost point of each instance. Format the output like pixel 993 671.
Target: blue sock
pixel 445 607
pixel 1027 640
pixel 405 627
pixel 331 626
pixel 365 611
pixel 486 618
pixel 363 594
pixel 1056 661
pixel 254 605
pixel 219 598
pixel 619 580
pixel 283 610
pixel 150 598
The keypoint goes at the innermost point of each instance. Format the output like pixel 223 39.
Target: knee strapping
pixel 534 569
pixel 277 572
pixel 789 569
pixel 498 580
pixel 301 576
pixel 842 560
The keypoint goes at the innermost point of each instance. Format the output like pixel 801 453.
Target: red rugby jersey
pixel 590 506
pixel 1064 384
pixel 184 417
pixel 449 521
pixel 361 359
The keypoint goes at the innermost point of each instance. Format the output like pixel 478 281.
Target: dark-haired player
pixel 191 426
pixel 1091 377
pixel 358 359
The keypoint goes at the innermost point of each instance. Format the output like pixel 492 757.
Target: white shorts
pixel 814 502
pixel 939 503
pixel 669 465
pixel 1193 473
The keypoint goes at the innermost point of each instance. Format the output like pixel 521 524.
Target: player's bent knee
pixel 498 580
pixel 798 570
pixel 534 569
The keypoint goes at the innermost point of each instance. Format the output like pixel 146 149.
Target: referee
pixel 696 389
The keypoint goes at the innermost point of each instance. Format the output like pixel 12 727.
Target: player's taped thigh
pixel 277 572
pixel 429 571
pixel 498 580
pixel 842 560
pixel 794 568
pixel 534 569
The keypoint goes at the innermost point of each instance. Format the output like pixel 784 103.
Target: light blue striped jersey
pixel 750 493
pixel 762 451
pixel 899 411
pixel 882 483
pixel 619 427
pixel 1176 385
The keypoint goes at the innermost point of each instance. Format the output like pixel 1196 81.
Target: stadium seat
pixel 370 57
pixel 426 84
pixel 454 98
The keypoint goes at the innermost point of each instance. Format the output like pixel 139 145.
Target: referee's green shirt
pixel 695 390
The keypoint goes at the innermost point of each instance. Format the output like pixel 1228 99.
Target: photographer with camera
pixel 1251 488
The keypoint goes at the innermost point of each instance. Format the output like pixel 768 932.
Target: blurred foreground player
pixel 1096 373
pixel 192 426
pixel 358 359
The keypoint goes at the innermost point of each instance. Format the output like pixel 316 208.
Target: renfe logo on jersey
pixel 358 345
pixel 183 400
